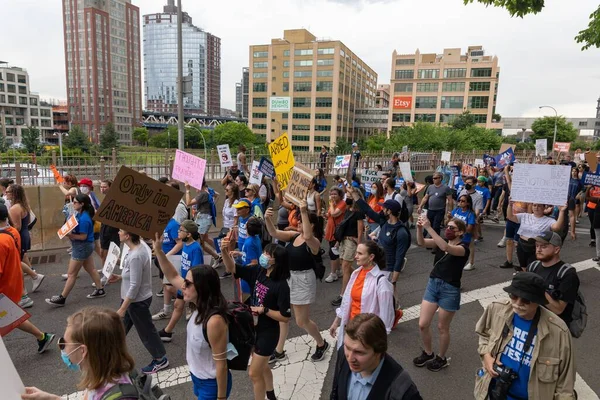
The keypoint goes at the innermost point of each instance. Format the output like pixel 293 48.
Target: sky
pixel 541 64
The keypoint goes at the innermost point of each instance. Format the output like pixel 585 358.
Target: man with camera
pixel 525 349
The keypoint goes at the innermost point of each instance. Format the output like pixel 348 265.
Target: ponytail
pixel 378 253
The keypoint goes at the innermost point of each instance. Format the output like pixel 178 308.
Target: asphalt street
pixel 455 382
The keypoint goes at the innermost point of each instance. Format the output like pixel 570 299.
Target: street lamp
pixel 555 122
pixel 60 135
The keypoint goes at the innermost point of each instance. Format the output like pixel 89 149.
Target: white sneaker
pixel 469 267
pixel 332 277
pixel 103 281
pixel 37 282
pixel 26 302
pixel 161 315
pixel 502 242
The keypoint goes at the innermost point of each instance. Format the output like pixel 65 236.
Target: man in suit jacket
pixel 364 371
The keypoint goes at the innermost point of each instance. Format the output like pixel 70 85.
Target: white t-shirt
pixel 532 226
pixel 228 214
pixel 181 212
pixel 198 353
pixel 393 196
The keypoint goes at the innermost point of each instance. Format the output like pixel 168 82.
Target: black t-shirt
pixel 449 268
pixel 357 156
pixel 352 224
pixel 565 289
pixel 266 292
pixel 233 174
pixel 323 156
pixel 301 258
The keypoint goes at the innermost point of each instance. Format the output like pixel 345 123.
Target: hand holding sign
pixel 299 182
pixel 189 168
pixel 283 159
pixel 224 155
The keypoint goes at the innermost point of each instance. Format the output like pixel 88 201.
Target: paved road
pixel 301 379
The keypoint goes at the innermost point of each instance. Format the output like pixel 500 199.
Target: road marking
pixel 298 377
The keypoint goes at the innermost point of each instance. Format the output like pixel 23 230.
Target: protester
pixel 592 199
pixel 242 183
pixel 241 162
pixel 4 184
pixel 231 175
pixel 390 193
pixel 334 215
pixel 526 352
pixel 313 199
pixel 374 201
pixel 172 247
pixel 464 211
pixel 322 179
pixel 470 189
pixel 323 157
pixel 438 198
pixel 356 156
pixel 243 207
pixel 232 195
pixel 408 192
pixel 204 218
pixel 256 204
pixel 249 252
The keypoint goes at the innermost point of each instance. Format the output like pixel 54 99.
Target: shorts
pixel 571 204
pixel 82 250
pixel 266 341
pixel 108 234
pixel 348 249
pixel 207 389
pixel 332 255
pixel 511 230
pixel 96 236
pixel 443 294
pixel 203 221
pixel 303 287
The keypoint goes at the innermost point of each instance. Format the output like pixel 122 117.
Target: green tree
pixel 479 138
pixel 140 135
pixel 589 37
pixel 3 145
pixel 76 139
pixel 463 121
pixel 234 134
pixel 164 140
pixel 30 137
pixel 543 128
pixel 109 138
pixel 342 146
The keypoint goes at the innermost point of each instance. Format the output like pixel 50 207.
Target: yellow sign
pixel 283 159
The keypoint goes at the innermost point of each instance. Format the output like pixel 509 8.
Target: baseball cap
pixel 86 182
pixel 549 237
pixel 190 226
pixel 3 212
pixel 354 144
pixel 528 286
pixel 481 178
pixel 242 203
pixel 391 205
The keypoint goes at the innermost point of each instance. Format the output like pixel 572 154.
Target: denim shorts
pixel 511 230
pixel 203 221
pixel 82 250
pixel 443 294
pixel 206 389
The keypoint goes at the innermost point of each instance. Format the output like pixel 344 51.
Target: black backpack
pixel 141 389
pixel 404 215
pixel 242 334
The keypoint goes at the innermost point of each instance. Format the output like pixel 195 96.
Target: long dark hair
pixel 208 287
pixel 86 204
pixel 377 251
pixel 379 193
pixel 317 225
pixel 19 196
pixel 469 201
pixel 281 269
pixel 235 193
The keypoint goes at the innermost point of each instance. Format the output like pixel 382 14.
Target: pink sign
pixel 189 168
pixel 562 147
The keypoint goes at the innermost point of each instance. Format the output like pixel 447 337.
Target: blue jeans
pixel 206 389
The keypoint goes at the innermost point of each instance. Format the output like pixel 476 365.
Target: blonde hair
pixel 102 332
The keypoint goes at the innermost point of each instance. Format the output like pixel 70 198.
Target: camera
pixel 506 377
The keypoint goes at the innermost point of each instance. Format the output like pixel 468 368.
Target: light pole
pixel 180 127
pixel 555 122
pixel 60 135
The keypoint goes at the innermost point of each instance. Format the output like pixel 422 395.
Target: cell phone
pixel 423 213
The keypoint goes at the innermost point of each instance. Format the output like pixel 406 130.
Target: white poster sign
pixel 255 174
pixel 10 381
pixel 224 155
pixel 369 177
pixel 111 260
pixel 479 163
pixel 406 171
pixel 545 184
pixel 446 156
pixel 279 104
pixel 541 147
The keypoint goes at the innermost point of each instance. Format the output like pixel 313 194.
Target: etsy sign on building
pixel 402 102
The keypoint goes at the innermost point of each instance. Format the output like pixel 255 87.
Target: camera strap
pixel 530 336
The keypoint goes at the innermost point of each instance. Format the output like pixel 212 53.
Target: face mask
pixel 468 186
pixel 450 235
pixel 67 360
pixel 264 261
pixel 84 189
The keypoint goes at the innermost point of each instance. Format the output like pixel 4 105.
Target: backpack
pixel 319 266
pixel 340 230
pixel 213 206
pixel 404 215
pixel 189 211
pixel 141 388
pixel 242 334
pixel 579 315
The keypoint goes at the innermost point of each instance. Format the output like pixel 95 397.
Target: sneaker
pixel 155 366
pixel 26 302
pixel 161 315
pixel 437 364
pixel 592 243
pixel 576 221
pixel 337 301
pixel 332 277
pixel 103 281
pixel 507 265
pixel 57 301
pixel 502 243
pixel 403 264
pixel 423 359
pixel 161 293
pixel 496 220
pixel 165 336
pixel 45 342
pixel 397 316
pixel 226 275
pixel 217 262
pixel 96 294
pixel 277 357
pixel 320 352
pixel 37 282
pixel 469 267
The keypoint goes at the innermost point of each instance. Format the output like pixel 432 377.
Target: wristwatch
pixel 265 310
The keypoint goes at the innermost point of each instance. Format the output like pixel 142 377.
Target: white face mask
pixel 84 189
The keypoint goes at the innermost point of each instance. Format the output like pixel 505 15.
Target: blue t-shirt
pixel 399 183
pixel 322 184
pixel 242 231
pixel 575 187
pixel 513 353
pixel 251 250
pixel 458 185
pixel 191 255
pixel 484 192
pixel 469 219
pixel 85 225
pixel 169 236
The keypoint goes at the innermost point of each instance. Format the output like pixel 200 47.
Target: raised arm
pixel 165 265
pixel 283 236
pixel 307 232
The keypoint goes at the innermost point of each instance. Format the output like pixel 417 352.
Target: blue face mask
pixel 264 261
pixel 67 360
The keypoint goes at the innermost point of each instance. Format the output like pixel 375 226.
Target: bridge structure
pixel 154 120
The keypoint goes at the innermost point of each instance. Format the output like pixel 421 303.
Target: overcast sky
pixel 540 61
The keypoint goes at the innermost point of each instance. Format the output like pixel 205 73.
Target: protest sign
pixel 11 315
pixel 455 171
pixel 419 187
pixel 111 259
pixel 592 160
pixel 299 182
pixel 506 146
pixel 369 177
pixel 255 174
pixel 562 147
pixel 266 167
pixel 446 156
pixel 10 381
pixel 541 147
pixel 503 159
pixel 189 168
pixel 591 179
pixel 479 163
pixel 581 156
pixel 468 170
pixel 342 161
pixel 67 227
pixel 405 149
pixel 224 155
pixel 488 160
pixel 138 204
pixel 406 171
pixel 537 183
pixel 283 159
pixel 57 176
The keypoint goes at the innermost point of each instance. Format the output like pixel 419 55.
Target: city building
pixel 103 65
pixel 60 119
pixel 371 121
pixel 438 87
pixel 201 64
pixel 597 127
pixel 382 99
pixel 309 88
pixel 19 107
pixel 241 95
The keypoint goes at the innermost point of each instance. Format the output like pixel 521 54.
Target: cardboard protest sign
pixel 68 227
pixel 592 160
pixel 369 177
pixel 538 183
pixel 10 381
pixel 562 147
pixel 468 170
pixel 266 167
pixel 503 159
pixel 419 187
pixel 57 176
pixel 255 174
pixel 299 182
pixel 224 155
pixel 138 204
pixel 342 161
pixel 541 147
pixel 506 146
pixel 446 156
pixel 488 160
pixel 406 171
pixel 11 315
pixel 591 179
pixel 111 260
pixel 189 168
pixel 283 159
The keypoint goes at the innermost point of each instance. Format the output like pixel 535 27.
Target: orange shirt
pixel 333 222
pixel 374 204
pixel 356 293
pixel 11 275
pixel 595 194
pixel 293 217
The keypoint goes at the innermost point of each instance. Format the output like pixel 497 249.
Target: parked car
pixel 17 146
pixel 31 174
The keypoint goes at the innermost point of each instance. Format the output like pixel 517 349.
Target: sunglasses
pixel 61 343
pixel 452 228
pixel 515 298
pixel 187 283
pixel 437 177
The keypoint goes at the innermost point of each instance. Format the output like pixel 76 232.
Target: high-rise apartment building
pixel 438 87
pixel 241 95
pixel 382 99
pixel 324 81
pixel 19 107
pixel 201 62
pixel 103 65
